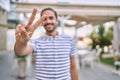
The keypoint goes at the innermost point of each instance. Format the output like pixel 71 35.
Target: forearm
pixel 73 68
pixel 74 74
pixel 20 48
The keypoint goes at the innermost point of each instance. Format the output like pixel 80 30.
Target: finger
pixel 32 17
pixel 21 34
pixel 17 30
pixel 20 28
pixel 36 24
pixel 24 33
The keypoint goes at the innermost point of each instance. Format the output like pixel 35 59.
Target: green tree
pixel 102 37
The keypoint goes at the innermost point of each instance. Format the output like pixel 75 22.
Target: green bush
pixel 108 61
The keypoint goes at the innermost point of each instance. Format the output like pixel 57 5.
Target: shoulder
pixel 37 39
pixel 63 36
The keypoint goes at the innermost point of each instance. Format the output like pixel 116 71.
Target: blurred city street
pixel 94 25
pixel 8 70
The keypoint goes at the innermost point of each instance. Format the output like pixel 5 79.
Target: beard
pixel 51 29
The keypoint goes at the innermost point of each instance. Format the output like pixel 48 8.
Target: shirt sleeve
pixel 33 44
pixel 72 52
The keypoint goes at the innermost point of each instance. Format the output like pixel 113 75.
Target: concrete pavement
pixel 8 67
pixel 8 70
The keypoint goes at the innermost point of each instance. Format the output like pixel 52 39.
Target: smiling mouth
pixel 49 24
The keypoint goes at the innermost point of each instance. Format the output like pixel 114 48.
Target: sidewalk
pixel 98 72
pixel 8 70
pixel 8 67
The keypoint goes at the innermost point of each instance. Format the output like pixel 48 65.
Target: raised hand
pixel 25 31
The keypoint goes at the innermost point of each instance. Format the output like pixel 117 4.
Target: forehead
pixel 48 13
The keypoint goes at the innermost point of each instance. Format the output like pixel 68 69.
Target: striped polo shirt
pixel 53 57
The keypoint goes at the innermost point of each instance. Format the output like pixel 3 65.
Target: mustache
pixel 48 24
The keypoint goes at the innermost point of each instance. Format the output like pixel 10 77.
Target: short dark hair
pixel 45 9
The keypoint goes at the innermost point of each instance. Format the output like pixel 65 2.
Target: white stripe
pixel 53 57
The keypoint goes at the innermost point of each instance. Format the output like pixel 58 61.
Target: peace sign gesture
pixel 25 31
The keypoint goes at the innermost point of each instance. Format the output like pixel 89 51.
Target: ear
pixel 57 22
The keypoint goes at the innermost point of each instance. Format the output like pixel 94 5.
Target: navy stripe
pixel 53 77
pixel 53 57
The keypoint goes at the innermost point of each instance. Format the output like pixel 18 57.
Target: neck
pixel 54 33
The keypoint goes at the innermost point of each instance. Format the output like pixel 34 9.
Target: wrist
pixel 21 43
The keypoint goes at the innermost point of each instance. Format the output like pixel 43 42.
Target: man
pixel 55 53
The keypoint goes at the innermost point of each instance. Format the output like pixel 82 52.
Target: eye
pixel 51 17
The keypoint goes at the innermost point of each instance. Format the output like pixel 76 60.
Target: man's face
pixel 50 21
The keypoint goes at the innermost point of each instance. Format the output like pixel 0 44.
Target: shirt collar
pixel 51 37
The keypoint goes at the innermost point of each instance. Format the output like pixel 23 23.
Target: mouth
pixel 49 27
pixel 49 24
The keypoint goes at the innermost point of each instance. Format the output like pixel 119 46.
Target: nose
pixel 48 20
